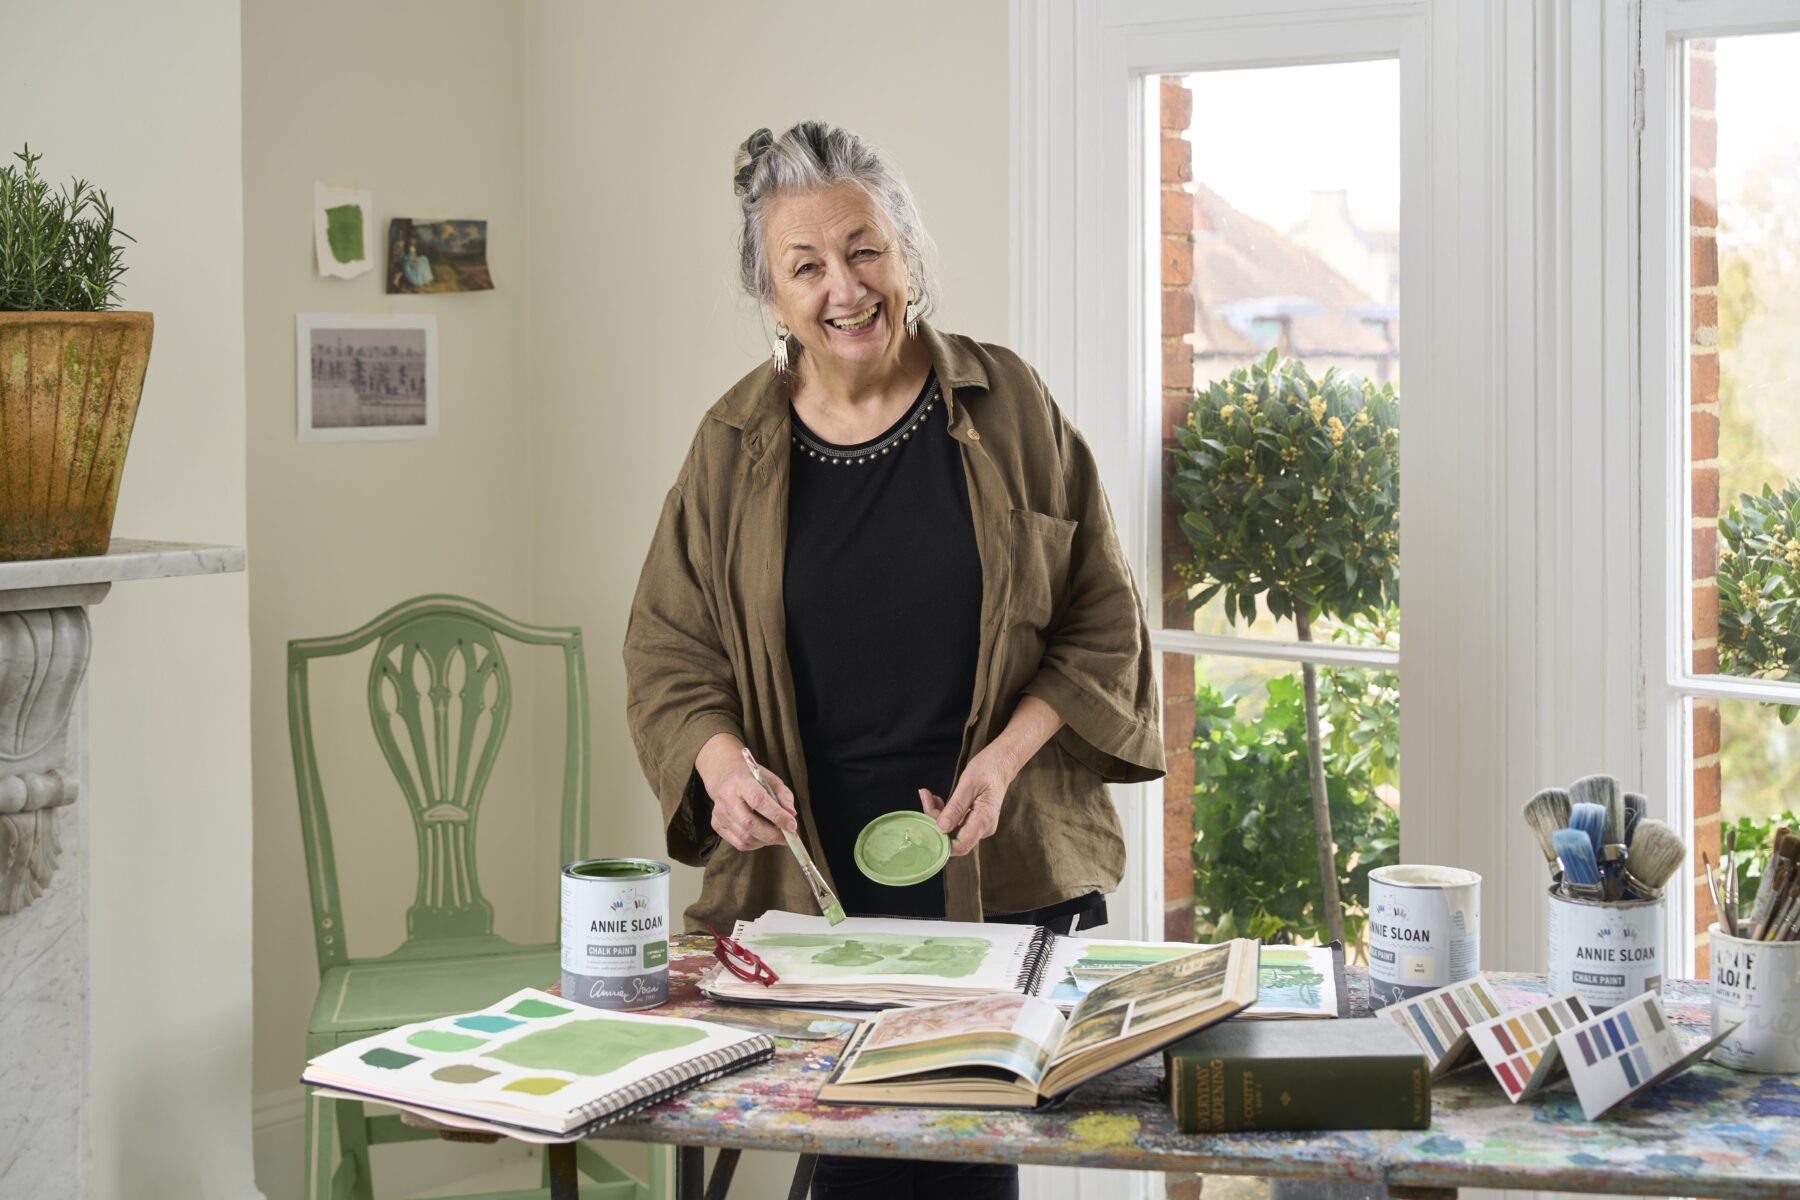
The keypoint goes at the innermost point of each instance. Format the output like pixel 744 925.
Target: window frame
pixel 1083 291
pixel 1658 210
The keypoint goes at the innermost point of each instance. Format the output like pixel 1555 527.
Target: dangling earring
pixel 780 357
pixel 912 311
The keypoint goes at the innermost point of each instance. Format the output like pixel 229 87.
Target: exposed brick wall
pixel 1703 420
pixel 1177 257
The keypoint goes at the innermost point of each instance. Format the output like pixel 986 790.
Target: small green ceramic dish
pixel 901 848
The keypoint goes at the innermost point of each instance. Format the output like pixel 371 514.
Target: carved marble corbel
pixel 43 656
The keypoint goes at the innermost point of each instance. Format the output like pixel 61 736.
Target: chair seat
pixel 372 995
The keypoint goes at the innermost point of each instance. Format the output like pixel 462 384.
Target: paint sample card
pixel 1624 1051
pixel 1439 1021
pixel 1520 1047
pixel 535 1061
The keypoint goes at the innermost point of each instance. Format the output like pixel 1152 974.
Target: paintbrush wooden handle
pixel 1712 887
pixel 822 893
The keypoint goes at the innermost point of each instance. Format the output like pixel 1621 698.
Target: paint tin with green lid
pixel 899 849
pixel 615 932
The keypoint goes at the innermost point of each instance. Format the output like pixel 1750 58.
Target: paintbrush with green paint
pixel 828 903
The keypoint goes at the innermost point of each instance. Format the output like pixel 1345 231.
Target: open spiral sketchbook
pixel 879 962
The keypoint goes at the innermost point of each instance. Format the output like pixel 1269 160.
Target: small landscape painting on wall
pixel 364 377
pixel 437 256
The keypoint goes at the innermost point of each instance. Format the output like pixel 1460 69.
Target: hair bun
pixel 748 155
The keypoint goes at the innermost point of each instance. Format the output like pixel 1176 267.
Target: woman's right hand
pixel 743 813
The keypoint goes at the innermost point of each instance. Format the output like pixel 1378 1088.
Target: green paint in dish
pixel 597 1046
pixel 536 1008
pixel 388 1060
pixel 438 1039
pixel 901 848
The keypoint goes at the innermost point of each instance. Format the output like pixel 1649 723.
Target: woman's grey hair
pixel 811 157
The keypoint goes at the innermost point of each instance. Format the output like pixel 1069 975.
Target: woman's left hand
pixel 973 810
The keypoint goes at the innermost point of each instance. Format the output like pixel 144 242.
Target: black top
pixel 882 590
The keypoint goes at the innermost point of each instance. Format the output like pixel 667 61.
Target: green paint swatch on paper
pixel 344 232
pixel 536 1085
pixel 594 1047
pixel 462 1073
pixel 841 955
pixel 536 1008
pixel 487 1023
pixel 388 1060
pixel 437 1039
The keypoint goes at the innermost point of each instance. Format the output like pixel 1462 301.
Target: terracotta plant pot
pixel 69 389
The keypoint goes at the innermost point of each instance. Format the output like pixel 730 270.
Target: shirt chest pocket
pixel 1038 566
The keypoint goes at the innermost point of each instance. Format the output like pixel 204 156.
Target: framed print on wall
pixel 362 377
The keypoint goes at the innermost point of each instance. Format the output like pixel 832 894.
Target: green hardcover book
pixel 1247 1076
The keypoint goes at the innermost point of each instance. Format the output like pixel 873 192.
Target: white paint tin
pixel 615 932
pixel 1606 953
pixel 1424 930
pixel 1756 986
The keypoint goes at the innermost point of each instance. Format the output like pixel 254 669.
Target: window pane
pixel 1240 837
pixel 1747 779
pixel 1743 205
pixel 1280 236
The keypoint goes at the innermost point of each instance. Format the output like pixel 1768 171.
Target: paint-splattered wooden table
pixel 1710 1132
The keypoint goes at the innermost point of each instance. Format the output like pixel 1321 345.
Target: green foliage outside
pixel 1255 872
pixel 59 250
pixel 1289 490
pixel 1755 841
pixel 1759 587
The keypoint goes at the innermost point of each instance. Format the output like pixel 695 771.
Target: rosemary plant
pixel 59 250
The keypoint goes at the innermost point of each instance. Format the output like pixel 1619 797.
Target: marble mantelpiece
pixel 44 1030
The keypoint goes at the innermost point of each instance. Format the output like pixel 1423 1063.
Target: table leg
pixel 724 1167
pixel 565 1181
pixel 690 1172
pixel 803 1175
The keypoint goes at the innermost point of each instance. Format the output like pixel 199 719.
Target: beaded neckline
pixel 810 446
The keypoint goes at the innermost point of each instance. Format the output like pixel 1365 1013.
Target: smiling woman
pixel 887 566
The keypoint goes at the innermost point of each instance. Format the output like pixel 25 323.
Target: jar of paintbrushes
pixel 1756 962
pixel 1608 866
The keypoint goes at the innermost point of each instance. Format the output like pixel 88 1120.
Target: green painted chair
pixel 440 698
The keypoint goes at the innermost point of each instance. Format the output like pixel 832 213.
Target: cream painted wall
pixel 632 115
pixel 421 102
pixel 169 771
pixel 598 142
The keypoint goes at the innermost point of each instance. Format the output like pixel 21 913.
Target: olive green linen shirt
pixel 1061 619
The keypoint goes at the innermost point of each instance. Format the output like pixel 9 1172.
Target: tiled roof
pixel 1243 269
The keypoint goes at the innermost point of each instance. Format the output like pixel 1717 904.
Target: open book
pixel 1008 1050
pixel 534 1064
pixel 868 962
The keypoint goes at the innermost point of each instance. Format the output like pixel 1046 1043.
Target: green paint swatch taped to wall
pixel 594 1047
pixel 438 1039
pixel 388 1060
pixel 344 232
pixel 536 1008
